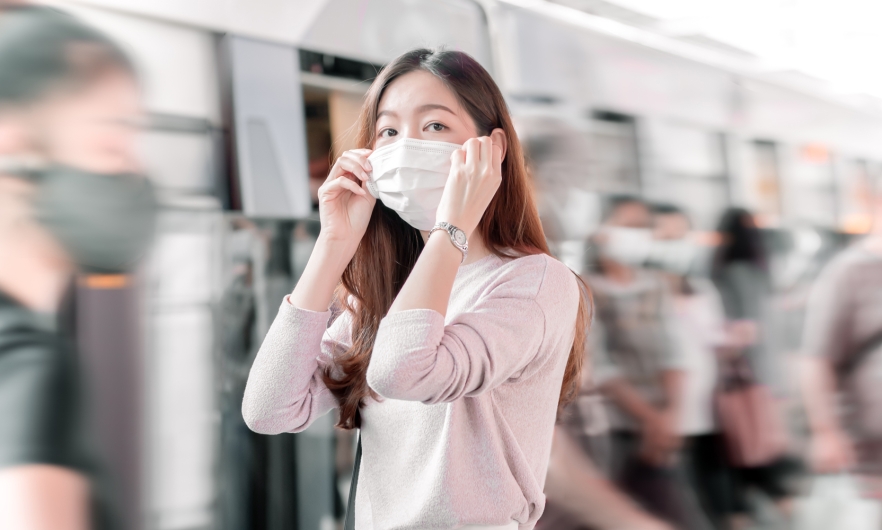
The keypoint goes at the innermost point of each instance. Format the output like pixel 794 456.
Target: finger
pixel 337 186
pixel 486 152
pixel 457 158
pixel 353 167
pixel 496 158
pixel 472 149
pixel 360 157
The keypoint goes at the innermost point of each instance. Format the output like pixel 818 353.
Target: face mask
pixel 105 222
pixel 673 255
pixel 409 176
pixel 629 246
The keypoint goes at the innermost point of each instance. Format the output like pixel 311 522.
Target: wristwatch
pixel 457 237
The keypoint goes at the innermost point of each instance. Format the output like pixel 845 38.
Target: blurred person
pixel 581 497
pixel 740 273
pixel 460 335
pixel 699 320
pixel 841 365
pixel 68 203
pixel 639 366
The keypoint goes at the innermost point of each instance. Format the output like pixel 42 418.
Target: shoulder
pixel 28 341
pixel 529 275
pixel 544 279
pixel 849 261
pixel 38 394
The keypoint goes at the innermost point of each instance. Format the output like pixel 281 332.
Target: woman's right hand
pixel 345 205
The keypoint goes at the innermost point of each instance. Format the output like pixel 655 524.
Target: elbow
pixel 264 420
pixel 256 419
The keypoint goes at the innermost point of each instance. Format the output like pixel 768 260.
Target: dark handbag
pixel 750 422
pixel 349 524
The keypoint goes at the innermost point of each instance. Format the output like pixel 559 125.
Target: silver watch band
pixel 457 237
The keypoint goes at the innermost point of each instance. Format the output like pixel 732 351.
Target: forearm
pixel 574 485
pixel 315 288
pixel 43 497
pixel 627 397
pixel 672 383
pixel 818 391
pixel 431 280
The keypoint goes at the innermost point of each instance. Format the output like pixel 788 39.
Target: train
pixel 248 101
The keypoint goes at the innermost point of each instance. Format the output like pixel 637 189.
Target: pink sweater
pixel 462 434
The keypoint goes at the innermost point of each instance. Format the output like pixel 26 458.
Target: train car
pixel 249 101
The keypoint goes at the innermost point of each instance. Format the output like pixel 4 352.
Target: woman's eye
pixel 436 127
pixel 386 133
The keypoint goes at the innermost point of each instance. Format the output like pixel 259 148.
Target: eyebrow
pixel 421 109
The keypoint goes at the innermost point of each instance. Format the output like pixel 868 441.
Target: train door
pixel 687 168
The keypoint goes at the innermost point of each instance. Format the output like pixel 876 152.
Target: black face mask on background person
pixel 105 222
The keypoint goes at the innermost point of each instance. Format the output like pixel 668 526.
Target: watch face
pixel 459 236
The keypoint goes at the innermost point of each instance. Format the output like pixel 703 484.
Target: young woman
pixel 459 335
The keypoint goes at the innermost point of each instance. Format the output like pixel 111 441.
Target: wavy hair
pixel 390 247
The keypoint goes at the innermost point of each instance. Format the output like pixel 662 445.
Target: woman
pixel 67 202
pixel 455 345
pixel 740 273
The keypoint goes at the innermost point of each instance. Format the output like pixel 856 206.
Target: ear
pixel 499 138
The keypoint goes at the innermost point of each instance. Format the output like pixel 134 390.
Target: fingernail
pixel 367 165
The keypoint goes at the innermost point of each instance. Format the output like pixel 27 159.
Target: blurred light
pixel 105 281
pixel 815 153
pixel 857 224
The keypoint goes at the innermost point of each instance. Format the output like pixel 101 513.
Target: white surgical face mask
pixel 629 246
pixel 674 255
pixel 409 177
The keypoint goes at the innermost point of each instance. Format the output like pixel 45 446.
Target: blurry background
pixel 773 105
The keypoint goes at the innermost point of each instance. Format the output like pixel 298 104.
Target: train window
pixel 318 140
pixel 690 171
pixel 762 181
pixel 331 117
pixel 613 156
pixel 855 189
pixel 810 189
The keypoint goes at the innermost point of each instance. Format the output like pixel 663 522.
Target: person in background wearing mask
pixel 699 321
pixel 460 334
pixel 841 365
pixel 639 366
pixel 68 202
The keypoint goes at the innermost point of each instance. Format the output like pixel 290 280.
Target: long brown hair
pixel 390 247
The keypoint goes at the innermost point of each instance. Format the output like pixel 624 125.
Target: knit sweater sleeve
pixel 285 391
pixel 417 357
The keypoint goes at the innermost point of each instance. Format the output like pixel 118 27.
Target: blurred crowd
pixel 695 413
pixel 698 413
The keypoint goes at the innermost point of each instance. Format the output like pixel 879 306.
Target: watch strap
pixel 451 232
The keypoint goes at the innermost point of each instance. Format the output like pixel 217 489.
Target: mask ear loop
pixel 25 167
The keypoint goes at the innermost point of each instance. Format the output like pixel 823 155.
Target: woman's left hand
pixel 475 175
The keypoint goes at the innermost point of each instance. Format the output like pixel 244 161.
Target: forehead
pixel 630 211
pixel 415 89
